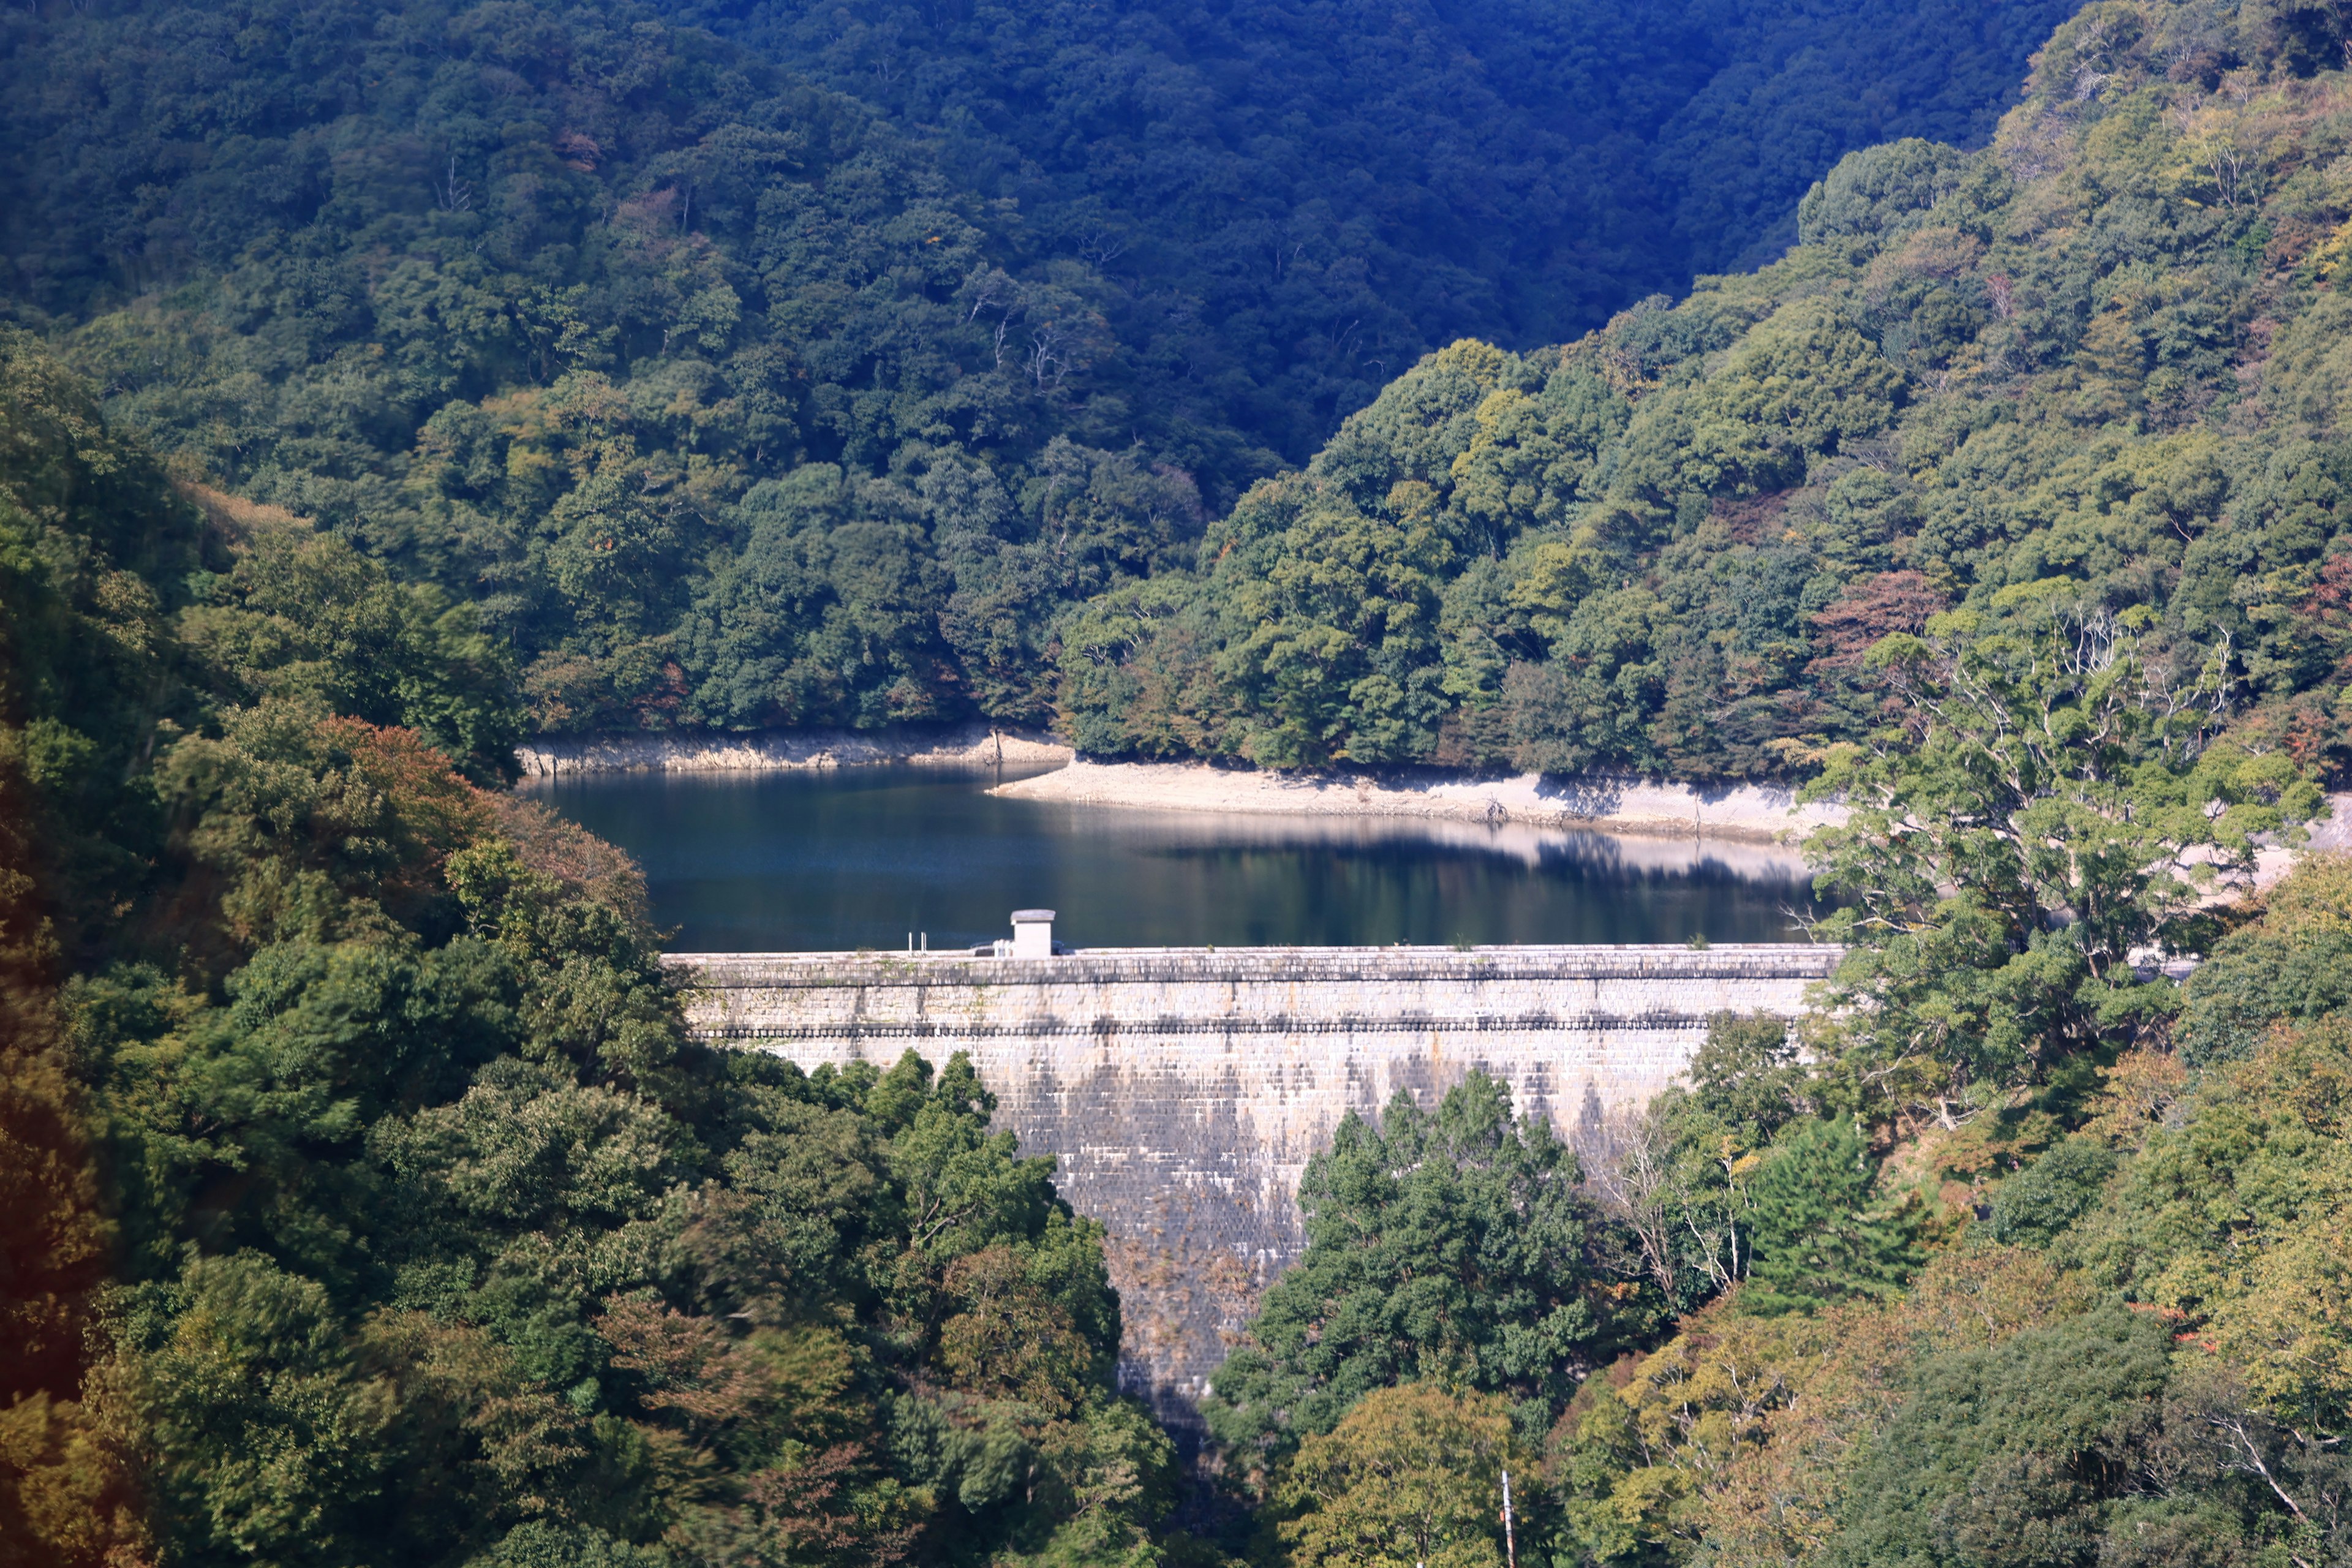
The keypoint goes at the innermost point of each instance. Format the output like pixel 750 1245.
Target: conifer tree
pixel 1816 1237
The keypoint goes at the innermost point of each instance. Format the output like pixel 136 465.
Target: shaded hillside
pixel 734 399
pixel 1298 200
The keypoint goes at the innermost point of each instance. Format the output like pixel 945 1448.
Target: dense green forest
pixel 1309 195
pixel 760 369
pixel 391 384
pixel 363 1199
pixel 921 385
pixel 2095 1318
pixel 2101 361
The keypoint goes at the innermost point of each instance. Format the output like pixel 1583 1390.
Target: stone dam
pixel 1183 1089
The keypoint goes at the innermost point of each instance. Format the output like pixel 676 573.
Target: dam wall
pixel 1182 1091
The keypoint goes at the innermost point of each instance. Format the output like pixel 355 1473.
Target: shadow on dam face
pixel 1182 1091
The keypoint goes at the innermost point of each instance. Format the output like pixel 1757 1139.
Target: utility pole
pixel 1510 1546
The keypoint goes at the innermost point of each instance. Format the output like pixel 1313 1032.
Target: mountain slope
pixel 2101 361
pixel 366 1200
pixel 734 399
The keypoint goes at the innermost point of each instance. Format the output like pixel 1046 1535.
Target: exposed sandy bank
pixel 1755 812
pixel 2331 836
pixel 970 746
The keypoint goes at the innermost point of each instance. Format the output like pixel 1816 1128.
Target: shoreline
pixel 780 751
pixel 1617 804
pixel 1754 814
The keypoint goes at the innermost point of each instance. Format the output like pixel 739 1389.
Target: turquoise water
pixel 863 856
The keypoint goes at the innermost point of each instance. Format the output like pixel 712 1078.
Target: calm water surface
pixel 862 856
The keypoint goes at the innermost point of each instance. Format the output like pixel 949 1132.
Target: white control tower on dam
pixel 1182 1090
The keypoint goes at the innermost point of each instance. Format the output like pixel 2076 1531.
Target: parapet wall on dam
pixel 1183 1089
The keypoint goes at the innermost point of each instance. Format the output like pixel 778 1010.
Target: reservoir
pixel 862 856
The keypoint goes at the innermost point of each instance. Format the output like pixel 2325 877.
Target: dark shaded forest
pixel 809 370
pixel 386 386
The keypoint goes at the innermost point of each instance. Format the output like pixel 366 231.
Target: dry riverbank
pixel 1752 813
pixel 970 746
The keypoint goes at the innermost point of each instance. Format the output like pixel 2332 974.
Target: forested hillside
pixel 362 1200
pixel 392 381
pixel 366 1203
pixel 2101 363
pixel 2006 510
pixel 740 397
pixel 1297 199
pixel 2089 1314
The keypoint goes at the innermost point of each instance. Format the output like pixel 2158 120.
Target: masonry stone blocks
pixel 1183 1089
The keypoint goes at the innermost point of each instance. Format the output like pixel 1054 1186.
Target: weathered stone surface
pixel 1752 813
pixel 771 751
pixel 1183 1089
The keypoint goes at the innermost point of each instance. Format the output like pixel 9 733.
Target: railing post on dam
pixel 1183 1089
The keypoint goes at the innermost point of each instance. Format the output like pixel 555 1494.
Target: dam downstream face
pixel 855 857
pixel 1235 995
pixel 1181 1092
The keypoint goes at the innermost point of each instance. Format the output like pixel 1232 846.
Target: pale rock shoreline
pixel 970 746
pixel 1750 813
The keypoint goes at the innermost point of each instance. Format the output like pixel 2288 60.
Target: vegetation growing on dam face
pixel 362 1200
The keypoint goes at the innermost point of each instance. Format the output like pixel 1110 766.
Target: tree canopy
pixel 748 367
pixel 367 1200
pixel 386 385
pixel 1450 1244
pixel 2091 370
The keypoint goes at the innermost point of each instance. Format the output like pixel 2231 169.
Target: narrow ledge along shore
pixel 1621 806
pixel 776 751
pixel 1756 814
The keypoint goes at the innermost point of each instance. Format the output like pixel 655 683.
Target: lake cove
pixel 842 859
